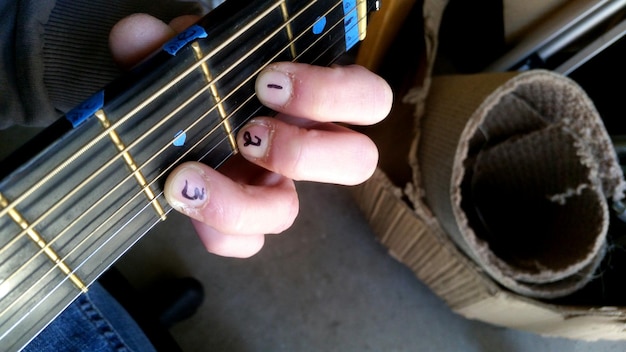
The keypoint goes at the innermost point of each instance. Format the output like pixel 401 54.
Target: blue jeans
pixel 95 322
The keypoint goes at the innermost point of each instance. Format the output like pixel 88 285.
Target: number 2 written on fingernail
pixel 247 137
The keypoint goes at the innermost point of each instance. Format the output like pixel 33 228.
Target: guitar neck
pixel 82 192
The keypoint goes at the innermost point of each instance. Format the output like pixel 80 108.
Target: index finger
pixel 350 94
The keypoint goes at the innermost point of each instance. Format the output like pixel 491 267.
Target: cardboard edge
pixel 461 284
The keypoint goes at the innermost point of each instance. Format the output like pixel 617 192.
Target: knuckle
pixel 299 147
pixel 291 213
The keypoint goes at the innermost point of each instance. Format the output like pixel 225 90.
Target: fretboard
pixel 81 193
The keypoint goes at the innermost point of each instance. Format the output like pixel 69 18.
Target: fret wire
pixel 197 143
pixel 96 250
pixel 285 13
pixel 137 109
pixel 58 285
pixel 45 247
pixel 190 148
pixel 163 173
pixel 93 175
pixel 118 211
pixel 215 94
pixel 149 132
pixel 128 202
pixel 40 301
pixel 361 10
pixel 130 162
pixel 152 130
pixel 165 147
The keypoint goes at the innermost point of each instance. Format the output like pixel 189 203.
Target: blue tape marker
pixel 178 42
pixel 181 138
pixel 86 109
pixel 351 23
pixel 319 25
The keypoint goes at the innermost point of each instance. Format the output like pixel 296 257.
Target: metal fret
pixel 36 237
pixel 288 28
pixel 71 183
pixel 115 138
pixel 361 10
pixel 216 96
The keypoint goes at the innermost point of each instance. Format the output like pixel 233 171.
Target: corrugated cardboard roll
pixel 517 168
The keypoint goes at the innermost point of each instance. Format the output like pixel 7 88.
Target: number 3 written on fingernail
pixel 197 193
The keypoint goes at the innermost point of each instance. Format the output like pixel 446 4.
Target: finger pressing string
pixel 332 154
pixel 350 94
pixel 206 195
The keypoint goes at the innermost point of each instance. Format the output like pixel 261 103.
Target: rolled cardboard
pixel 518 168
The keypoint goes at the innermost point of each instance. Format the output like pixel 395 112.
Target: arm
pixel 44 42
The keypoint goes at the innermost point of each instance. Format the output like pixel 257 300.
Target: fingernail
pixel 274 87
pixel 254 139
pixel 188 190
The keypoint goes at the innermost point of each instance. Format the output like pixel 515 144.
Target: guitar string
pixel 147 134
pixel 169 143
pixel 102 245
pixel 215 128
pixel 137 109
pixel 165 171
pixel 154 156
pixel 120 229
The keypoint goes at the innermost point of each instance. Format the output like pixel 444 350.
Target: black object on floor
pixel 157 307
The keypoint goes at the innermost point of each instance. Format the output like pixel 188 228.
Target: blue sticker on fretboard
pixel 85 110
pixel 178 42
pixel 350 21
pixel 319 25
pixel 180 139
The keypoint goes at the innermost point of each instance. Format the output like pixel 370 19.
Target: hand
pixel 254 193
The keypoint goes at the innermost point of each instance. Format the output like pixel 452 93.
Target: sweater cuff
pixel 77 59
pixel 67 56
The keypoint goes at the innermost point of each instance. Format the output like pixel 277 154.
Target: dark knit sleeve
pixel 55 54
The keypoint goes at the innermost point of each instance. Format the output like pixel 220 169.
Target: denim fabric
pixel 95 322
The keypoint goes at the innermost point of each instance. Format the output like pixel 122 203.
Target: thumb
pixel 135 37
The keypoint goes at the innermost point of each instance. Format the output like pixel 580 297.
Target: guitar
pixel 82 192
pixel 384 26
